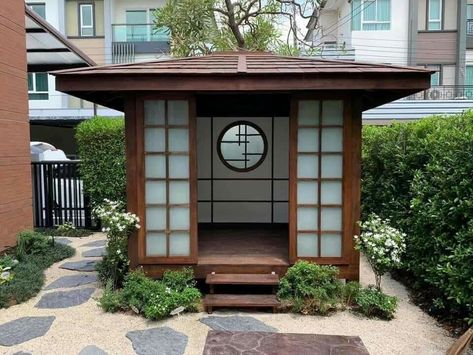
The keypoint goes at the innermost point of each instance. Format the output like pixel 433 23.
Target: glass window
pixel 434 15
pixel 38 86
pixel 86 20
pixel 137 28
pixel 435 78
pixel 39 8
pixel 469 82
pixel 371 15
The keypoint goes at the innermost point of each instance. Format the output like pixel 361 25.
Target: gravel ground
pixel 411 332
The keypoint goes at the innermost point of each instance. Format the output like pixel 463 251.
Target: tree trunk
pixel 233 24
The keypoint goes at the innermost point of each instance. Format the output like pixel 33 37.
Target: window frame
pixel 440 20
pixel 362 21
pixel 80 22
pixel 34 92
pixel 31 4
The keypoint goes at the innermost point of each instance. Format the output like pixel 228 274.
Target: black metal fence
pixel 445 92
pixel 58 195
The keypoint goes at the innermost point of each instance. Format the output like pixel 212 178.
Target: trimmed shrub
pixel 420 176
pixel 373 303
pixel 101 145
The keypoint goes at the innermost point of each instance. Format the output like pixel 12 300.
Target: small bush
pixel 154 299
pixel 349 293
pixel 309 288
pixel 31 243
pixel 57 232
pixel 373 303
pixel 101 146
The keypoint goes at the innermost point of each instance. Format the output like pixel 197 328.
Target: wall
pixel 237 189
pixel 72 18
pixel 436 48
pixel 449 16
pixel 15 171
pixel 61 137
pixel 93 47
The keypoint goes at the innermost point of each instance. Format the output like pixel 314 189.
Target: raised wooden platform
pixel 242 279
pixel 241 301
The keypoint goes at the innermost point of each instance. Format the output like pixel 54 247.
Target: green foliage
pixel 31 243
pixel 154 299
pixel 71 233
pixel 420 176
pixel 29 272
pixel 373 303
pixel 101 145
pixel 66 228
pixel 349 293
pixel 310 288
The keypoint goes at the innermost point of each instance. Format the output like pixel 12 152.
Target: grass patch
pixel 28 274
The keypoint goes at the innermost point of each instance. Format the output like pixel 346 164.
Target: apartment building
pixel 437 34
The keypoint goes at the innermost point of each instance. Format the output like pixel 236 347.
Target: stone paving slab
pixel 264 343
pixel 97 243
pixel 23 329
pixel 72 281
pixel 96 252
pixel 92 350
pixel 65 299
pixel 237 324
pixel 158 341
pixel 82 265
pixel 22 353
pixel 62 240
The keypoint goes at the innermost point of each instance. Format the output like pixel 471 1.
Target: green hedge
pixel 420 175
pixel 101 145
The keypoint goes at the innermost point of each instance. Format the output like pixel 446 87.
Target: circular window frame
pixel 262 135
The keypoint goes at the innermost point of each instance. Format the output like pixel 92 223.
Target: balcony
pixel 445 92
pixel 131 40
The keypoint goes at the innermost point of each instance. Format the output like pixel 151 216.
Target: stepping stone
pixel 62 240
pixel 83 265
pixel 94 252
pixel 24 329
pixel 65 299
pixel 22 353
pixel 72 281
pixel 97 243
pixel 237 324
pixel 92 350
pixel 158 341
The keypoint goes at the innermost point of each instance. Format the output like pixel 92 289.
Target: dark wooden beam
pixel 48 50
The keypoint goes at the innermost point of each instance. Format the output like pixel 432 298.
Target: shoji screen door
pixel 170 217
pixel 317 132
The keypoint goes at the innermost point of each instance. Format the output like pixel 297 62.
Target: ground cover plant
pixel 65 230
pixel 154 299
pixel 420 176
pixel 25 265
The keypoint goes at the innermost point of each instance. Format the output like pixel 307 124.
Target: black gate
pixel 58 195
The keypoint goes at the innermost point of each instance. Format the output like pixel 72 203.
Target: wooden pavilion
pixel 243 162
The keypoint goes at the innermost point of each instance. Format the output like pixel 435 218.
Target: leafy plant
pixel 310 288
pixel 7 263
pixel 349 293
pixel 65 228
pixel 372 302
pixel 71 233
pixel 382 244
pixel 101 146
pixel 154 299
pixel 31 243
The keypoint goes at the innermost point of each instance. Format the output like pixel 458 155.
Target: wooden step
pixel 240 301
pixel 242 279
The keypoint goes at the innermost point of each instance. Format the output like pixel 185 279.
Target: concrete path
pixel 70 322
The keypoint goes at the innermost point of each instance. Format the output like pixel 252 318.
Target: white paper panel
pixel 155 166
pixel 332 139
pixel 281 147
pixel 179 218
pixel 307 192
pixel 204 147
pixel 309 112
pixel 281 212
pixel 332 112
pixel 179 244
pixel 331 193
pixel 155 218
pixel 281 190
pixel 178 140
pixel 242 212
pixel 307 218
pixel 331 245
pixel 307 166
pixel 332 166
pixel 242 190
pixel 203 212
pixel 154 140
pixel 155 192
pixel 178 166
pixel 154 112
pixel 331 218
pixel 204 188
pixel 307 245
pixel 179 192
pixel 155 244
pixel 308 140
pixel 178 112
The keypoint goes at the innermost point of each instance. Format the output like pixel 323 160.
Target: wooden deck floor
pixel 255 245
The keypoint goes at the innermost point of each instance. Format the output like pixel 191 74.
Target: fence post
pixel 49 200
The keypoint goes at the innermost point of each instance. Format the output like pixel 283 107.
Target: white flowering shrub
pixel 118 225
pixel 382 244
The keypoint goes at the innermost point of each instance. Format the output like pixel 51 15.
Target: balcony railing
pixel 139 33
pixel 445 92
pixel 469 27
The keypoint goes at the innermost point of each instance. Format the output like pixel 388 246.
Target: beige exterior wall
pixel 93 47
pixel 448 75
pixel 428 44
pixel 422 11
pixel 72 17
pixel 449 16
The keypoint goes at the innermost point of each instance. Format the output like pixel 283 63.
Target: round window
pixel 242 146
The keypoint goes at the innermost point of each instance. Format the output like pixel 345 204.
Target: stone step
pixel 242 279
pixel 240 301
